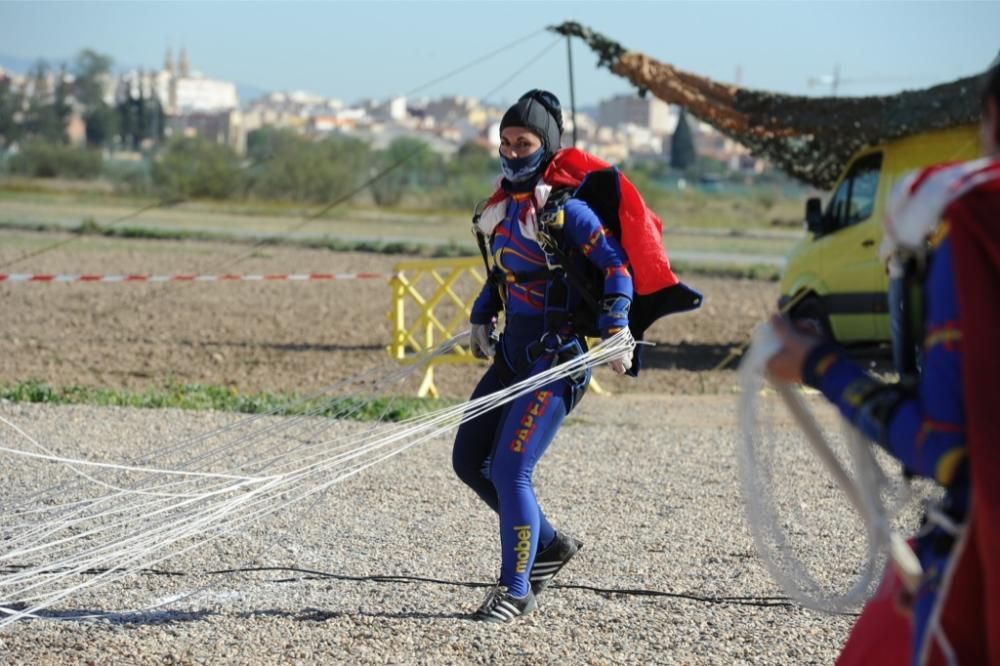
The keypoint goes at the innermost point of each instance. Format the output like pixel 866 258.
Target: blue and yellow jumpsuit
pixel 495 454
pixel 923 428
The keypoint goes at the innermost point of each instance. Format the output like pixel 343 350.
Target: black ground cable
pixel 761 601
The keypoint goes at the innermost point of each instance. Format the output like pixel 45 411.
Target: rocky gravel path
pixel 386 566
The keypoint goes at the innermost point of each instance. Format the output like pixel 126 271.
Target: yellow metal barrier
pixel 443 291
pixel 449 286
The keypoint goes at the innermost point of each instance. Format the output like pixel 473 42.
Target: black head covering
pixel 538 111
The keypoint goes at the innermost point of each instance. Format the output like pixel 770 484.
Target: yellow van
pixel 835 273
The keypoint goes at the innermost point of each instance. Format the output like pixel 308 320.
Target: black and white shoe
pixel 501 606
pixel 551 560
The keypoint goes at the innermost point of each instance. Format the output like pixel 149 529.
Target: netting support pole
pixel 572 91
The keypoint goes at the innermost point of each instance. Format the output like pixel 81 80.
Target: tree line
pixel 280 164
pixel 283 165
pixel 40 110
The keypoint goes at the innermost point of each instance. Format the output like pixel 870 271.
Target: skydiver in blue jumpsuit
pixel 924 429
pixel 928 429
pixel 495 454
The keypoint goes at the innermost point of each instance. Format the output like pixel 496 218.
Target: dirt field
pixel 387 566
pixel 279 336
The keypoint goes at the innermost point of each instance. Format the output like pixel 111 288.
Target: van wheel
pixel 810 315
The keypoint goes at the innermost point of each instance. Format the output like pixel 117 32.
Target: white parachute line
pixel 24 545
pixel 389 380
pixel 48 529
pixel 862 496
pixel 159 536
pixel 221 517
pixel 476 407
pixel 144 516
pixel 863 492
pixel 75 516
pixel 404 434
pixel 171 494
pixel 197 496
pixel 789 571
pixel 354 406
pixel 465 411
pixel 220 532
pixel 73 462
pixel 324 424
pixel 397 374
pixel 473 408
pixel 20 553
pixel 92 581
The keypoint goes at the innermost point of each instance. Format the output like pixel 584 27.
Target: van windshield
pixel 855 198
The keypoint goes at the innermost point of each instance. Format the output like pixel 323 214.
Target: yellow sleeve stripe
pixel 939 234
pixel 825 363
pixel 948 464
pixel 943 336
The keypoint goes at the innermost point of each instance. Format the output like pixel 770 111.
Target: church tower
pixel 183 65
pixel 168 62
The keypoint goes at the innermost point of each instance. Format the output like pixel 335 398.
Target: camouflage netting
pixel 810 138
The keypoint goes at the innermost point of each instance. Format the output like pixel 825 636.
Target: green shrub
pixel 292 168
pixel 196 168
pixel 224 398
pixel 464 192
pixel 42 159
pixel 129 177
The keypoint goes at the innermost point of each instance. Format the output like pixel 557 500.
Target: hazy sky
pixel 352 50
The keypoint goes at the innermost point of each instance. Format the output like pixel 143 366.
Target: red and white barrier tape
pixel 292 277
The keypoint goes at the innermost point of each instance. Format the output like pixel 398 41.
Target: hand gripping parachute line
pixel 864 490
pixel 106 522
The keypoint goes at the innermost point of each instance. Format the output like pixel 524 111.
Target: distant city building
pixel 225 127
pixel 626 127
pixel 392 109
pixel 181 91
pixel 586 128
pixel 192 104
pixel 642 140
pixel 201 95
pixel 457 109
pixel 303 112
pixel 648 112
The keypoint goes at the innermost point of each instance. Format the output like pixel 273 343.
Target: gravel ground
pixel 668 574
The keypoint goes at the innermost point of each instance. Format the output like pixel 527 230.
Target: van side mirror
pixel 814 215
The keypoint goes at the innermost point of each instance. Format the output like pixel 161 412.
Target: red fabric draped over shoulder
pixel 975 239
pixel 642 230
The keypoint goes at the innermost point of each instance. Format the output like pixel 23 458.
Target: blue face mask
pixel 520 169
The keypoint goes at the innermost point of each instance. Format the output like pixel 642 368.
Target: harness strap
pixel 542 274
pixel 561 265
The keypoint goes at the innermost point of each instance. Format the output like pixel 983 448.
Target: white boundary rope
pixel 67 278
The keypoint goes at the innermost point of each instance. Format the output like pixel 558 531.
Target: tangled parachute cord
pixel 864 490
pixel 154 514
